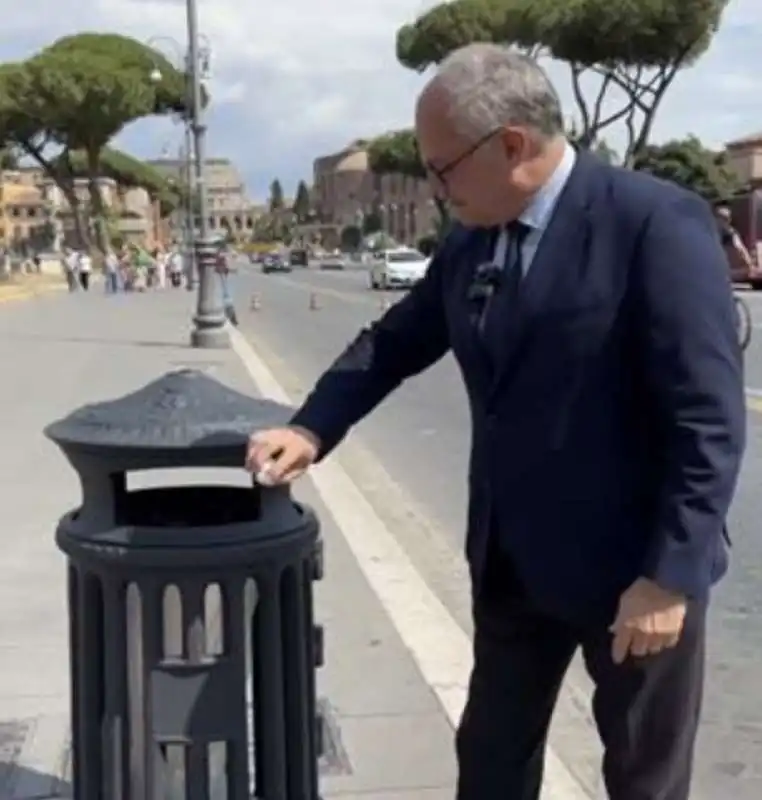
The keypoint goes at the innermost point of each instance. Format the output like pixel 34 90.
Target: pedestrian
pixel 608 424
pixel 71 268
pixel 84 269
pixel 161 268
pixel 111 272
pixel 223 271
pixel 176 268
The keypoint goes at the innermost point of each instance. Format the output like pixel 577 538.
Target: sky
pixel 296 79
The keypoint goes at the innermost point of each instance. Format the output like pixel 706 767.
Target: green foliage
pixel 448 26
pixel 302 202
pixel 372 223
pixel 643 33
pixel 9 158
pixel 124 169
pixel 276 202
pixel 688 163
pixel 85 99
pixel 635 48
pixel 584 32
pixel 351 237
pixel 396 153
pixel 427 244
pixel 170 94
pixel 18 124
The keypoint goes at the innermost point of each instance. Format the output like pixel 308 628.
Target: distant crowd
pixel 130 269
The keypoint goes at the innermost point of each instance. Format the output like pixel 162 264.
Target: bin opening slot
pixel 191 506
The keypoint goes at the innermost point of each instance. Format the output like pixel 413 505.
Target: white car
pixel 399 268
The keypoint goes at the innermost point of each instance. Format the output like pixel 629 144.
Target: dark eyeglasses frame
pixel 441 173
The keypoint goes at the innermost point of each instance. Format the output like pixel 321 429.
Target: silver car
pixel 398 268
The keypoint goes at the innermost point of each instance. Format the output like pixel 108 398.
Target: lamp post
pixel 209 322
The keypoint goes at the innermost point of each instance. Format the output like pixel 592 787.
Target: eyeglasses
pixel 441 173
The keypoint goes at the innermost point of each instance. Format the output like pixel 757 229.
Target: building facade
pixel 228 203
pixel 35 214
pixel 745 158
pixel 346 191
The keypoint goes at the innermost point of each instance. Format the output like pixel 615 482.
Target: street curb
pixel 439 646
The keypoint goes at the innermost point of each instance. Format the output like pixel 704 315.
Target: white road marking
pixel 438 644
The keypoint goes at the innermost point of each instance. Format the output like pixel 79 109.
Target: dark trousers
pixel 646 709
pixel 84 280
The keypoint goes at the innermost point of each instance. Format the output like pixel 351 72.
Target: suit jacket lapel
pixel 562 243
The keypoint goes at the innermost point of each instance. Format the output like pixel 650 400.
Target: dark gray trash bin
pixel 229 711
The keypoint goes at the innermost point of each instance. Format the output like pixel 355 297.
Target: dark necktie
pixel 505 301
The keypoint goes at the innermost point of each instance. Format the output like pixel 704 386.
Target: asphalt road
pixel 420 437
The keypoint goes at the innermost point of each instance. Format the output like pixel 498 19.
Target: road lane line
pixel 370 299
pixel 439 646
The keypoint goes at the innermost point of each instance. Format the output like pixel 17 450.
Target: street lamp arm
pixel 155 42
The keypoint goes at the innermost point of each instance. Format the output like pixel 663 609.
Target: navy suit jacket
pixel 608 440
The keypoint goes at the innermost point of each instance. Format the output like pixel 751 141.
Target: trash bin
pixel 227 711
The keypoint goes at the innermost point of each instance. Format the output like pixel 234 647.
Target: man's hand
pixel 281 455
pixel 649 619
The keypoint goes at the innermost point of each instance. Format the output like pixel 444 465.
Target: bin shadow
pixel 23 783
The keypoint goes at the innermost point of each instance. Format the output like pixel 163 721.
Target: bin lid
pixel 182 410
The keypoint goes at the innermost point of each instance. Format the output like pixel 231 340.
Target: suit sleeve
pixel 409 337
pixel 693 367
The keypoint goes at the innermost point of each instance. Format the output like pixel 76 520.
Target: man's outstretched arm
pixel 410 337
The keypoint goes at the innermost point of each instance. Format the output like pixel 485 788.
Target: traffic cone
pixel 256 302
pixel 314 305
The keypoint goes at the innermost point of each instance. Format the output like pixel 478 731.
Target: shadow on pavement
pixel 100 340
pixel 23 783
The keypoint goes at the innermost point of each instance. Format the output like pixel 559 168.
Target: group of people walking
pixel 128 269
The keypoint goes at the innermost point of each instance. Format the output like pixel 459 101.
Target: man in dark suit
pixel 590 312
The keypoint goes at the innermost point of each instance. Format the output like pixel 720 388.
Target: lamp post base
pixel 210 338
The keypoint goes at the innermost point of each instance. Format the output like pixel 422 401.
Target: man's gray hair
pixel 489 86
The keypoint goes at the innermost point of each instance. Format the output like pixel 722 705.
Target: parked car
pixel 398 268
pixel 275 263
pixel 299 257
pixel 333 261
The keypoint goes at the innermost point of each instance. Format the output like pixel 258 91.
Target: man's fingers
pixel 259 452
pixel 292 475
pixel 276 469
pixel 620 645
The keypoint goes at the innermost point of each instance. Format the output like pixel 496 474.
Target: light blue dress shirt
pixel 540 210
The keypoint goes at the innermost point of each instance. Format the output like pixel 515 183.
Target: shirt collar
pixel 539 211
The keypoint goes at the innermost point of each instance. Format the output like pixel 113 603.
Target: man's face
pixel 474 177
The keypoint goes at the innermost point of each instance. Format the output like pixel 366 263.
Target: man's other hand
pixel 649 619
pixel 281 455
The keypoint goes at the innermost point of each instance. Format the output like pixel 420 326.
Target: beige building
pixel 346 191
pixel 35 214
pixel 745 157
pixel 23 219
pixel 229 206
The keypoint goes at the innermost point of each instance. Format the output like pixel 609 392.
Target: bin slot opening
pixel 191 506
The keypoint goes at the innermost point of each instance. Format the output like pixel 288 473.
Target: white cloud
pixel 295 78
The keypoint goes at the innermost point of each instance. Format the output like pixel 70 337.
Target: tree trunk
pixel 64 180
pixel 97 207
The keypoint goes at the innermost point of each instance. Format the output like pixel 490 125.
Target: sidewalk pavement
pixel 22 287
pixel 388 736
